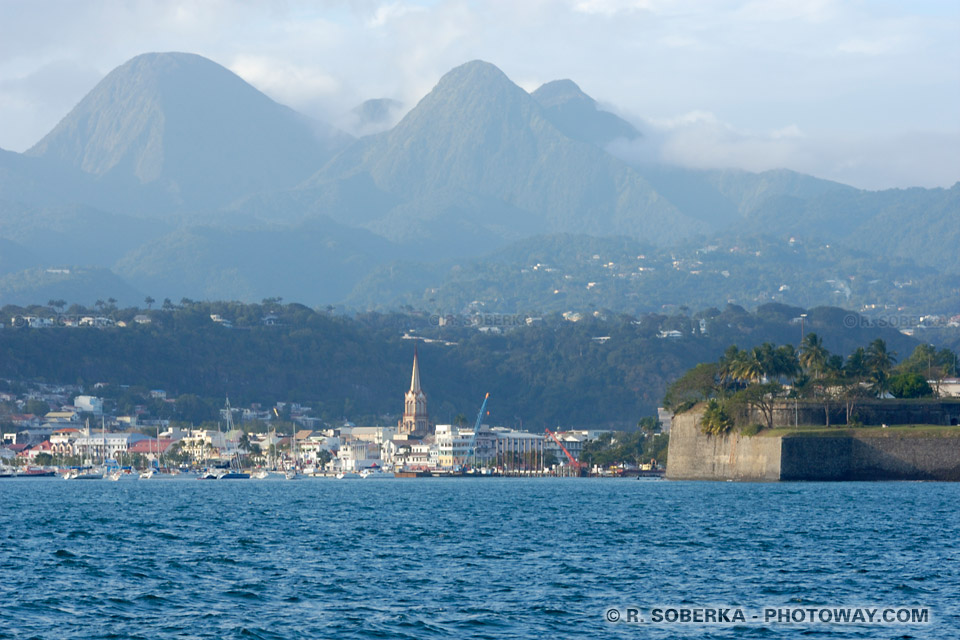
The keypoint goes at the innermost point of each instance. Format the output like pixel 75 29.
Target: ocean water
pixel 467 558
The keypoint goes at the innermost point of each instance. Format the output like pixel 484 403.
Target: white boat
pixel 262 474
pixel 292 475
pixel 94 473
pixel 376 474
pixel 348 475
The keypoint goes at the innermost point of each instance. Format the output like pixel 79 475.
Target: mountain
pixel 372 116
pixel 581 273
pixel 478 135
pixel 318 262
pixel 14 257
pixel 191 130
pixel 185 181
pixel 577 115
pixel 73 284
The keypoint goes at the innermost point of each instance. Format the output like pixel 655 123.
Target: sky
pixel 863 92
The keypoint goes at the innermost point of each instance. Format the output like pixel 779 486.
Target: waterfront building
pixel 415 421
pixel 356 455
pixel 518 450
pixel 61 441
pixel 453 446
pixel 98 446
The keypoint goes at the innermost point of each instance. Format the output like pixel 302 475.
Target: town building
pixel 91 404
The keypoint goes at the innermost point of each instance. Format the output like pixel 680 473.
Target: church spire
pixel 415 421
pixel 415 377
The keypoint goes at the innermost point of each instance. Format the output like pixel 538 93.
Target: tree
pixel 933 365
pixel 813 355
pixel 715 419
pixel 695 385
pixel 761 398
pixel 57 304
pixel 909 385
pixel 149 301
pixel 879 362
pixel 750 365
pixel 649 425
pixel 855 375
pixel 324 457
pixel 37 407
pixel 43 459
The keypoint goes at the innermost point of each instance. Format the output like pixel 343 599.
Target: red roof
pixel 67 430
pixel 149 445
pixel 17 447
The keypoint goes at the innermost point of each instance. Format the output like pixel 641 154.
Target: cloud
pixel 305 87
pixel 777 76
pixel 700 140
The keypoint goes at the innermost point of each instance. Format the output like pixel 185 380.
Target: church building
pixel 415 422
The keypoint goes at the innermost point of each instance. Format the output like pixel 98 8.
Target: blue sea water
pixel 466 558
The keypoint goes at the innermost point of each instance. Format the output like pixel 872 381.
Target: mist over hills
pixel 179 179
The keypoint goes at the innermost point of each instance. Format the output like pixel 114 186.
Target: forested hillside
pixel 599 371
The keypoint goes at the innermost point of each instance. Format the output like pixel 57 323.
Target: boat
pixel 348 475
pixel 234 469
pixel 412 473
pixel 35 472
pixel 84 473
pixel 376 474
pixel 121 473
pixel 260 474
pixel 7 473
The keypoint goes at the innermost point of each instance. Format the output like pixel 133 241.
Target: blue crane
pixel 476 429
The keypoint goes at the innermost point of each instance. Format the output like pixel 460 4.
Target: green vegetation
pixel 637 447
pixel 747 383
pixel 602 371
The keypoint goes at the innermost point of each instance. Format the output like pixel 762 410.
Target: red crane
pixel 573 461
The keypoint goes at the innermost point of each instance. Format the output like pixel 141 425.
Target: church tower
pixel 415 420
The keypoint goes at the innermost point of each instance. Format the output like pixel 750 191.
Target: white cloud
pixel 702 141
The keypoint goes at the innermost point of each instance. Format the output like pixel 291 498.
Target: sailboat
pixel 155 473
pixel 90 472
pixel 292 473
pixel 235 471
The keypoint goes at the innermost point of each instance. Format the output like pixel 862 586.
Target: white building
pixel 99 445
pixel 355 455
pixel 92 404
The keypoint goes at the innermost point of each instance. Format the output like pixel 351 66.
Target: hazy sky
pixel 865 92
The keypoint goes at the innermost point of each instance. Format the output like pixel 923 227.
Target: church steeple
pixel 415 378
pixel 415 421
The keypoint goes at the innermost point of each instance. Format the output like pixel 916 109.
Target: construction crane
pixel 476 429
pixel 573 461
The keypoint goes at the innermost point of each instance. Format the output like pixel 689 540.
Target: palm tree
pixel 785 363
pixel 728 364
pixel 750 367
pixel 879 361
pixel 878 358
pixel 813 356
